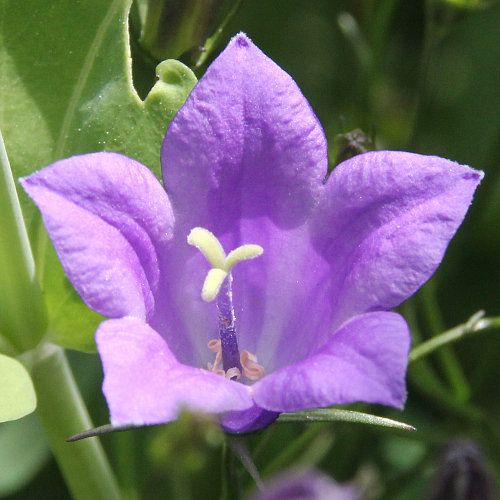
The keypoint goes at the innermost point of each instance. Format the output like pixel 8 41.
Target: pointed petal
pixel 145 384
pixel 384 223
pixel 245 158
pixel 365 360
pixel 246 144
pixel 108 217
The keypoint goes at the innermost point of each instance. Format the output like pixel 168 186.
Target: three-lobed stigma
pixel 208 244
pixel 234 364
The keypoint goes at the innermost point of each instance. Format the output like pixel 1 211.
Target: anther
pixel 233 373
pixel 251 369
pixel 215 346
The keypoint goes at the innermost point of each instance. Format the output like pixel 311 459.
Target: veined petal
pixel 109 218
pixel 384 223
pixel 145 384
pixel 246 144
pixel 365 360
pixel 245 157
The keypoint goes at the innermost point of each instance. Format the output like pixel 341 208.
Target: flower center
pixel 218 285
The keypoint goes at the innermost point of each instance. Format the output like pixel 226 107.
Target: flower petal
pixel 246 144
pixel 384 223
pixel 108 217
pixel 365 360
pixel 306 484
pixel 145 384
pixel 249 420
pixel 245 158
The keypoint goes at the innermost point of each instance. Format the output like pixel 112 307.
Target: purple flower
pixel 306 484
pixel 249 286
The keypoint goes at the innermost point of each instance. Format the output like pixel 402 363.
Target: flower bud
pixel 462 474
pixel 178 29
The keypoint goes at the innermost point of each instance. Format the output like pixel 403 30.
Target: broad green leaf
pixel 65 89
pixel 19 466
pixel 17 395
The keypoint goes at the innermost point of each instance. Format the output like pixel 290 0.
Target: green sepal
pixel 338 415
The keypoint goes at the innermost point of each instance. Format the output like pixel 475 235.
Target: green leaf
pixel 19 290
pixel 17 395
pixel 19 466
pixel 65 89
pixel 336 415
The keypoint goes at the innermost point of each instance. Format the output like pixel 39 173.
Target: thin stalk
pixel 62 412
pixel 422 374
pixel 429 42
pixel 447 357
pixel 475 324
pixel 239 447
pixel 230 482
pixel 295 448
pixel 124 459
pixel 423 377
pixel 211 42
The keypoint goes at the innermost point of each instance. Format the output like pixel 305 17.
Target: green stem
pixel 211 42
pixel 476 323
pixel 124 459
pixel 447 357
pixel 429 43
pixel 295 449
pixel 19 289
pixel 422 374
pixel 230 482
pixel 62 413
pixel 238 445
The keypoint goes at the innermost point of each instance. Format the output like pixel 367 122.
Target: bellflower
pixel 248 285
pixel 306 484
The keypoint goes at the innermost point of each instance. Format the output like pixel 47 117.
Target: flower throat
pixel 218 285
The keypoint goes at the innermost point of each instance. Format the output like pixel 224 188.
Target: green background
pixel 422 76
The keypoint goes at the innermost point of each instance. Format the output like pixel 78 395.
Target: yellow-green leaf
pixel 17 395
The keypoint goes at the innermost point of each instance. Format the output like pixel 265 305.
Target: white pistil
pixel 245 252
pixel 208 244
pixel 212 284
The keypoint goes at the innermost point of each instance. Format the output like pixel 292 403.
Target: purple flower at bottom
pixel 306 484
pixel 248 285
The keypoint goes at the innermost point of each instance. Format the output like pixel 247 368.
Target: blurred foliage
pixel 68 90
pixel 419 75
